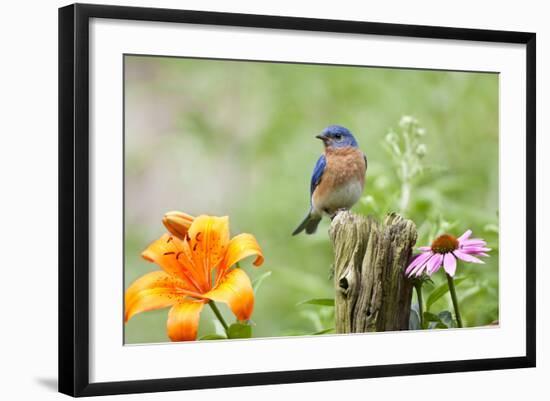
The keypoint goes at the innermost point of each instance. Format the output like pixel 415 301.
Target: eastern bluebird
pixel 338 178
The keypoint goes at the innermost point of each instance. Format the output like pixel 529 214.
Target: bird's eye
pixel 337 137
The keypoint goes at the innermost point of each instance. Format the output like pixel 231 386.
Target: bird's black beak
pixel 322 138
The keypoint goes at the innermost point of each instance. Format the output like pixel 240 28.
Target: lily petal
pixel 151 280
pixel 240 247
pixel 236 291
pixel 208 239
pixel 154 290
pixel 183 320
pixel 167 252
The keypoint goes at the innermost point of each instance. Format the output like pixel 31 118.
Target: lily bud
pixel 177 223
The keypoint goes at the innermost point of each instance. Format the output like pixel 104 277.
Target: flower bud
pixel 391 137
pixel 421 150
pixel 420 132
pixel 406 120
pixel 177 223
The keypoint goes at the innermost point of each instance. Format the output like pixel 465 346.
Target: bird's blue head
pixel 337 136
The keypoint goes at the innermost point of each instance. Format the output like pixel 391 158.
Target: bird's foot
pixel 333 215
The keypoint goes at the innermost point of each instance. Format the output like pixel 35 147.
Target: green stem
pixel 218 315
pixel 418 288
pixel 452 290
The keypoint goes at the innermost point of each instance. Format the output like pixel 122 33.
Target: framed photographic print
pixel 277 199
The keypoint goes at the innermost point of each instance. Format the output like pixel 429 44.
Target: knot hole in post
pixel 343 283
pixel 346 282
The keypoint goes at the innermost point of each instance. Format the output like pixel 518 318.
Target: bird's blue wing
pixel 318 173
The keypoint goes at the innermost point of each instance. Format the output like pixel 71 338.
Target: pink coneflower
pixel 444 251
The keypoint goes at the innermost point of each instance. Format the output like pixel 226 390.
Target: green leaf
pixel 432 325
pixel 446 318
pixel 443 320
pixel 325 331
pixel 429 282
pixel 239 330
pixel 441 290
pixel 259 280
pixel 414 320
pixel 212 337
pixel 318 301
pixel 430 317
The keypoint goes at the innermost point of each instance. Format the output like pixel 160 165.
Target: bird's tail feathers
pixel 309 224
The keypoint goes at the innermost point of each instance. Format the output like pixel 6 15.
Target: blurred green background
pixel 238 139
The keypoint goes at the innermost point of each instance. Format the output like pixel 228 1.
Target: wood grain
pixel 372 292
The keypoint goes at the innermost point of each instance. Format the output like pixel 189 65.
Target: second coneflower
pixel 444 251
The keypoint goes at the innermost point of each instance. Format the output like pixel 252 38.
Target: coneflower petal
pixel 465 236
pixel 449 264
pixel 467 257
pixel 434 264
pixel 473 242
pixel 417 263
pixel 474 249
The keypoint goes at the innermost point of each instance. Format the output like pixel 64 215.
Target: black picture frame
pixel 74 198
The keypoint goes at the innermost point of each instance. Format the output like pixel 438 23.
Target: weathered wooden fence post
pixel 372 292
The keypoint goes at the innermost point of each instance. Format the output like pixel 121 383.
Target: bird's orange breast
pixel 344 166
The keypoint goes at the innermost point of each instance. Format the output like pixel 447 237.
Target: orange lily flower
pixel 196 260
